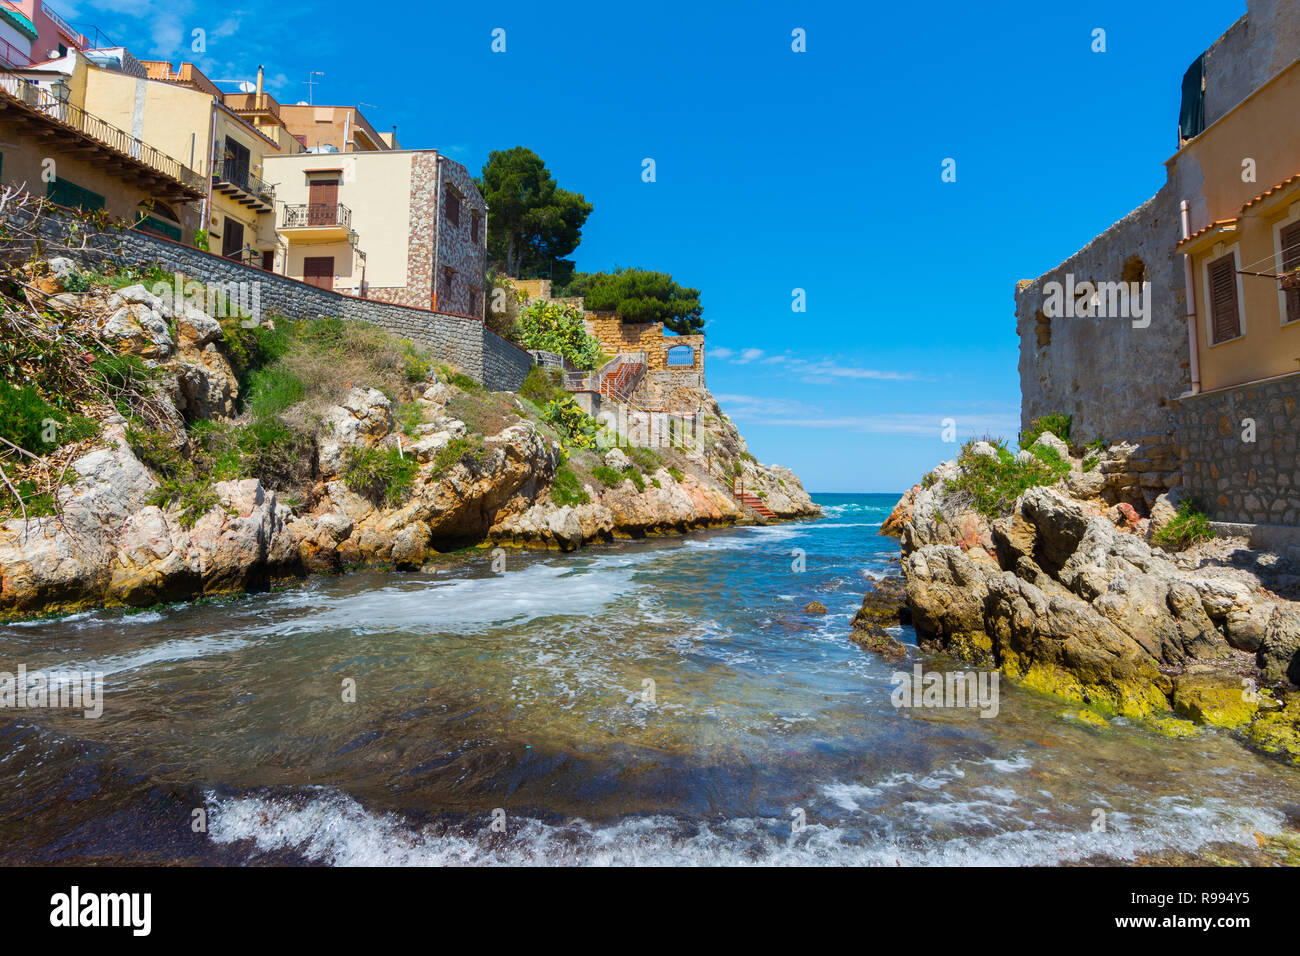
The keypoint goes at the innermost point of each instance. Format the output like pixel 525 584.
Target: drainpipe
pixel 212 145
pixel 1192 348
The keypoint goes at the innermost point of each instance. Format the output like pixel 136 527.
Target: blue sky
pixel 777 170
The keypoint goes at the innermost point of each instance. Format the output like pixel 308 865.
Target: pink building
pixel 54 35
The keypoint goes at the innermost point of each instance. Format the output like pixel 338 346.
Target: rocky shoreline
pixel 110 542
pixel 1069 595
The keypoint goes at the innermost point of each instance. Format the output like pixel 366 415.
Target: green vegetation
pixel 534 223
pixel 607 476
pixel 542 386
pixel 1189 526
pixel 676 473
pixel 566 489
pixel 194 496
pixel 640 295
pixel 992 483
pixel 28 421
pixel 560 329
pixel 647 459
pixel 451 376
pixel 381 475
pixel 1056 423
pixel 468 450
pixel 575 427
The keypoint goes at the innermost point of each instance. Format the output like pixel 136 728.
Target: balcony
pixel 62 127
pixel 317 220
pixel 233 179
pixel 12 58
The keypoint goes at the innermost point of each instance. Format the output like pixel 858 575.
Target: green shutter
pixel 66 193
pixel 154 224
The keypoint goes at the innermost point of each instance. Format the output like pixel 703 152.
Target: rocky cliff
pixel 1067 593
pixel 112 536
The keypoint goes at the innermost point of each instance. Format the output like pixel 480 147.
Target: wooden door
pixel 232 239
pixel 318 271
pixel 323 202
pixel 1291 262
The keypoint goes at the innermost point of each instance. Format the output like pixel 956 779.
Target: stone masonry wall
pixel 616 336
pixel 465 342
pixel 1238 480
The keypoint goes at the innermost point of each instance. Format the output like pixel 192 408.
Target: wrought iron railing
pixel 92 126
pixel 237 174
pixel 302 215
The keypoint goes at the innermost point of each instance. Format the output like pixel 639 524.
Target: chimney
pixel 258 103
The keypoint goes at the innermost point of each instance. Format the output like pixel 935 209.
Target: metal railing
pixel 303 215
pixel 11 57
pixel 237 174
pixel 62 23
pixel 92 126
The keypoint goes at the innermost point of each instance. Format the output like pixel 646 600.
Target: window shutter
pixel 1291 260
pixel 1225 322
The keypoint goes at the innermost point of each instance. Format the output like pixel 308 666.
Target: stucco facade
pixel 1132 379
pixel 385 222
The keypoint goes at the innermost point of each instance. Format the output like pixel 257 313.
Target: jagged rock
pixel 873 637
pixel 616 459
pixel 1279 651
pixel 1049 440
pixel 902 513
pixel 206 385
pixel 197 329
pixel 1213 697
pixel 139 330
pixel 815 607
pixel 884 604
pixel 363 418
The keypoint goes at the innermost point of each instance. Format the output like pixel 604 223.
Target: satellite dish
pixel 302 103
pixel 246 87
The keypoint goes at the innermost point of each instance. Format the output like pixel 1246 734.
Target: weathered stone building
pixel 1134 373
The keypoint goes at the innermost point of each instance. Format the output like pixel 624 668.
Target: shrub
pixel 462 381
pixel 1189 526
pixel 992 483
pixel 1057 423
pixel 194 495
pixel 647 459
pixel 552 327
pixel 541 386
pixel 272 390
pixel 415 366
pixel 575 427
pixel 35 503
pixel 157 450
pixel 381 475
pixel 607 476
pixel 676 473
pixel 468 450
pixel 566 489
pixel 77 281
pixel 28 420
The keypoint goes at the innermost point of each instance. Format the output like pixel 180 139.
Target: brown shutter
pixel 318 271
pixel 323 202
pixel 1225 321
pixel 1291 260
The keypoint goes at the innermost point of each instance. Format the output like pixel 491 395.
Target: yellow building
pixel 54 146
pixel 231 136
pixel 1243 237
pixel 334 129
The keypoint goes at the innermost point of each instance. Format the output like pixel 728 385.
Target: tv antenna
pixel 309 83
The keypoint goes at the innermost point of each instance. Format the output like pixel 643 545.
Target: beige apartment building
pixel 402 226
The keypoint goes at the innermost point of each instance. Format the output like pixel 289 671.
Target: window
pixel 1224 306
pixel 1289 239
pixel 453 207
pixel 475 226
pixel 64 193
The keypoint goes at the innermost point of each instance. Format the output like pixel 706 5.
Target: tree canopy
pixel 532 223
pixel 640 295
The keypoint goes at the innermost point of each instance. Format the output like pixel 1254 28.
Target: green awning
pixel 20 22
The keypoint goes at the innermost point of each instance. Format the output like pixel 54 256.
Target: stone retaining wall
pixel 1238 480
pixel 461 341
